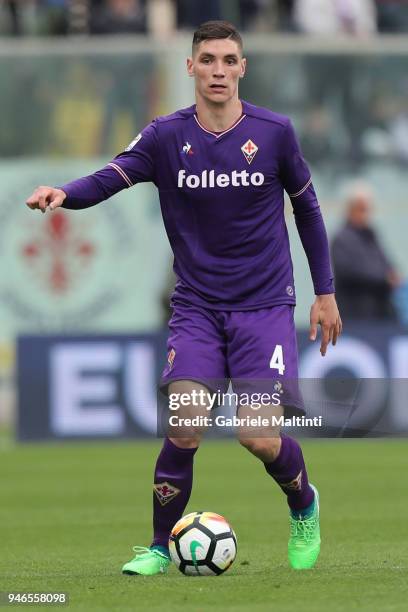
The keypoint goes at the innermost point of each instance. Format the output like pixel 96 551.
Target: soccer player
pixel 221 168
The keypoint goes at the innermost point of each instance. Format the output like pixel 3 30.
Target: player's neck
pixel 217 117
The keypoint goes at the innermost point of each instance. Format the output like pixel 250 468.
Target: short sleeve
pixel 294 171
pixel 137 163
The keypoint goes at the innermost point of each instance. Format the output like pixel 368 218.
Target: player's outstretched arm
pixel 324 312
pixel 44 198
pixel 134 165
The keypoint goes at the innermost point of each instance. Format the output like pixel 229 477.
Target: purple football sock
pixel 173 479
pixel 289 471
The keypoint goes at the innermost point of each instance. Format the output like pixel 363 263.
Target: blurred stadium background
pixel 81 78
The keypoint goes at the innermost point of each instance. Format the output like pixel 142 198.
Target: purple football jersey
pixel 222 201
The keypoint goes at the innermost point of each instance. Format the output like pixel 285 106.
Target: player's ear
pixel 243 67
pixel 190 66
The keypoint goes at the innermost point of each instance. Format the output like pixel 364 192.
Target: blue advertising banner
pixel 88 386
pixel 76 387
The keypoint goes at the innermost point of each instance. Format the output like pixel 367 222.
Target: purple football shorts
pixel 256 350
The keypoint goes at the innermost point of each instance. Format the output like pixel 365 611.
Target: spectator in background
pixel 328 17
pixel 364 277
pixel 13 9
pixel 119 17
pixel 284 10
pixel 330 78
pixel 392 16
pixel 243 12
pixel 249 11
pixel 189 13
pixel 53 17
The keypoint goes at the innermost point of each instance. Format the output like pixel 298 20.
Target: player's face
pixel 217 66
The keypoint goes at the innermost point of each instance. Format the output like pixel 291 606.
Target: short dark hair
pixel 211 30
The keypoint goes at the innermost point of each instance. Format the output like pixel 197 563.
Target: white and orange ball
pixel 203 544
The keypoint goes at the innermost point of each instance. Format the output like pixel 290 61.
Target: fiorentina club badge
pixel 165 492
pixel 295 484
pixel 170 358
pixel 249 149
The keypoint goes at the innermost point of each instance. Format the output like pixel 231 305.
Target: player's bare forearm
pixel 46 198
pixel 324 312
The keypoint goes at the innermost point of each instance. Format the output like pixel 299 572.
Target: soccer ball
pixel 202 544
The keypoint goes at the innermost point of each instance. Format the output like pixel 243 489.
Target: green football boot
pixel 147 562
pixel 304 541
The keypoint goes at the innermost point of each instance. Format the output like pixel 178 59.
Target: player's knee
pixel 190 442
pixel 266 448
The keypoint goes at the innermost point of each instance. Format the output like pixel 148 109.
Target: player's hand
pixel 45 198
pixel 325 312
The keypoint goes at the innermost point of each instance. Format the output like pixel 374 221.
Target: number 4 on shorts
pixel 276 361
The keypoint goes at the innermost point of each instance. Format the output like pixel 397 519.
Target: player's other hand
pixel 325 313
pixel 46 198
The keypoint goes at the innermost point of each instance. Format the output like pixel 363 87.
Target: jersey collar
pixel 219 134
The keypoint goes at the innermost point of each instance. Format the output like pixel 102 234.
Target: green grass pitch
pixel 70 513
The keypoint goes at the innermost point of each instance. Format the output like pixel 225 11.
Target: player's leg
pixel 173 480
pixel 283 460
pixel 196 357
pixel 173 476
pixel 267 351
pixel 281 456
